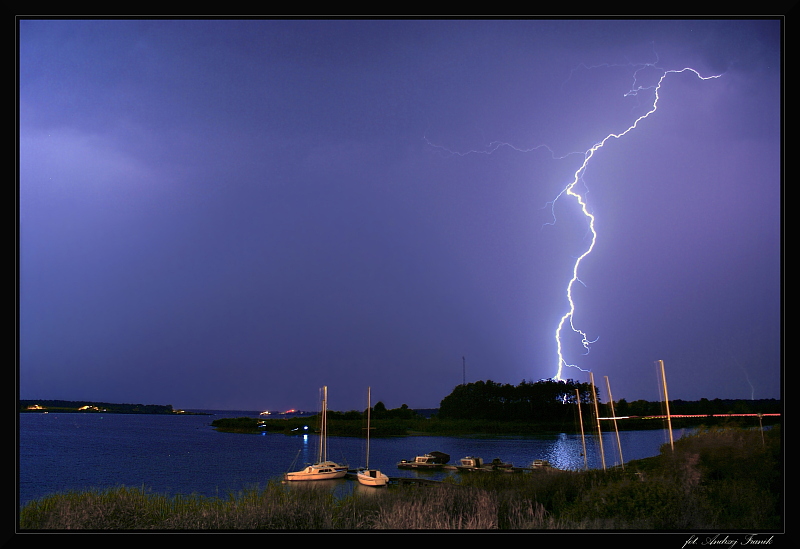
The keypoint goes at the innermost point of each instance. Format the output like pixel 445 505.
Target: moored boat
pixel 372 477
pixel 470 462
pixel 499 465
pixel 433 460
pixel 367 476
pixel 316 472
pixel 323 469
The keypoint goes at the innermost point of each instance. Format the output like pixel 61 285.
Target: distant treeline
pixel 700 407
pixel 545 401
pixel 379 411
pixel 86 406
pixel 386 422
pixel 527 409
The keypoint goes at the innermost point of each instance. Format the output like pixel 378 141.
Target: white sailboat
pixel 367 476
pixel 323 469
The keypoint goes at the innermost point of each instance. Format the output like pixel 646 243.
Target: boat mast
pixel 323 433
pixel 368 418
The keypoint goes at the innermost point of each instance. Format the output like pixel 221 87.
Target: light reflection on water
pixel 184 455
pixel 563 455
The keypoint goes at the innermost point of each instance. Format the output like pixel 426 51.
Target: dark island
pixel 82 406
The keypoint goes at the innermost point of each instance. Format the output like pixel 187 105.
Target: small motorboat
pixel 433 460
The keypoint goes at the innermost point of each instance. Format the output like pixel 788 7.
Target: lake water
pixel 184 454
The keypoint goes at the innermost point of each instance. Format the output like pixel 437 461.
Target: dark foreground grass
pixel 726 479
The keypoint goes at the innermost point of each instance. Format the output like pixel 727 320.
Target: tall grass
pixel 725 479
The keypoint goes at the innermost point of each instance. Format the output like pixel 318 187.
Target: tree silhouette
pixel 542 400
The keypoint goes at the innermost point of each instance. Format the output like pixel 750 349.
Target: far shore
pixel 87 407
pixel 465 427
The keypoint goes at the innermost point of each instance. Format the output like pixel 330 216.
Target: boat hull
pixel 315 473
pixel 372 477
pixel 434 460
pixel 415 465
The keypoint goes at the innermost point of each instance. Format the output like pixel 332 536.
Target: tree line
pixel 88 406
pixel 544 400
pixel 541 400
pixel 379 411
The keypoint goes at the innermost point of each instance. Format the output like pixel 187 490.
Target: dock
pixel 411 481
pixel 403 481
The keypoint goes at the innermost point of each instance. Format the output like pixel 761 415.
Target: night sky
pixel 229 214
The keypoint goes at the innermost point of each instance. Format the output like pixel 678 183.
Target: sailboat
pixel 365 475
pixel 323 469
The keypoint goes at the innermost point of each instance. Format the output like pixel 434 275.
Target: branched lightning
pixel 570 190
pixel 493 147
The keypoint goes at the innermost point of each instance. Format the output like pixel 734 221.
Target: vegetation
pixel 238 424
pixel 543 400
pixel 385 422
pixel 474 408
pixel 718 479
pixel 701 407
pixel 552 402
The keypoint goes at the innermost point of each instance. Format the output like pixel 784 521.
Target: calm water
pixel 184 454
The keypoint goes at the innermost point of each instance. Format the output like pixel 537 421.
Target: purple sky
pixel 231 214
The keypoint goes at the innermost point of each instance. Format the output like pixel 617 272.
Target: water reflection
pixel 566 453
pixel 367 491
pixel 339 487
pixel 306 455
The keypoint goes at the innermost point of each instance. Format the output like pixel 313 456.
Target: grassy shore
pixel 726 479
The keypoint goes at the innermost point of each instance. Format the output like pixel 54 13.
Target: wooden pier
pixel 411 481
pixel 416 481
pixel 403 481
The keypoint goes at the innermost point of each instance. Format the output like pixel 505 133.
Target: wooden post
pixel 597 415
pixel 614 417
pixel 583 439
pixel 666 402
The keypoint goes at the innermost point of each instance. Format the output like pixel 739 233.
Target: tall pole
pixel 614 418
pixel 583 438
pixel 463 370
pixel 323 427
pixel 666 402
pixel 597 415
pixel 369 403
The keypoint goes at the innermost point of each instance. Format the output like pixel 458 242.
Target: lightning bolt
pixel 571 191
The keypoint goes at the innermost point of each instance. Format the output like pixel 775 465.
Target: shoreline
pixel 481 428
pixel 28 406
